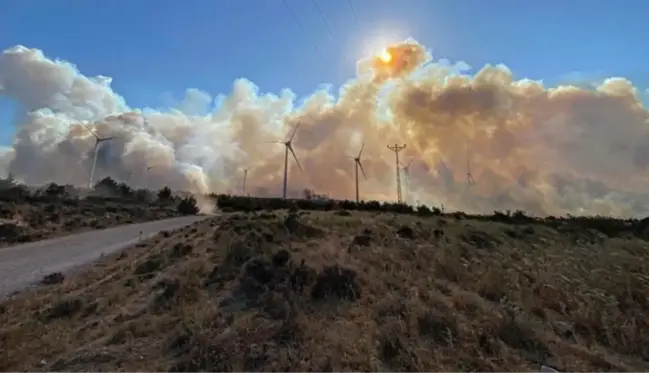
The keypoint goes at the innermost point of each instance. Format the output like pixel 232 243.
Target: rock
pixel 53 278
pixel 406 232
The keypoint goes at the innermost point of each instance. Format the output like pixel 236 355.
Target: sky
pixel 155 50
pixel 546 102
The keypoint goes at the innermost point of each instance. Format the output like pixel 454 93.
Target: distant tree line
pixel 575 225
pixel 109 189
pixel 241 203
pixel 105 189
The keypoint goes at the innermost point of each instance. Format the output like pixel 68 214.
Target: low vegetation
pixel 31 214
pixel 331 289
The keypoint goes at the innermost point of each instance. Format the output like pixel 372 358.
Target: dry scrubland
pixel 33 214
pixel 343 290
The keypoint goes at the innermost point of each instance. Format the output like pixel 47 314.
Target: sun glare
pixel 385 56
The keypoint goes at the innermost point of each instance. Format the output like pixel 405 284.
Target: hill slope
pixel 338 291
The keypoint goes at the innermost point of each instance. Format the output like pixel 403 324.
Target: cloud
pixel 548 150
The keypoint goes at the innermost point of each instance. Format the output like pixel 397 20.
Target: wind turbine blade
pixel 361 152
pixel 91 131
pixel 274 142
pixel 409 163
pixel 402 165
pixel 295 157
pixel 362 170
pixel 294 132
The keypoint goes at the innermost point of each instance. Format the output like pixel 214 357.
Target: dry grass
pixel 336 291
pixel 35 220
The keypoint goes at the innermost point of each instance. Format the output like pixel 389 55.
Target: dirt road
pixel 22 265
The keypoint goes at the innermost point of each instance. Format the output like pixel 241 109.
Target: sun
pixel 385 56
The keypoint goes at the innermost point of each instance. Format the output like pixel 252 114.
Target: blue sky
pixel 153 49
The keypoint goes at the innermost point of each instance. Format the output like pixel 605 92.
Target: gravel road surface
pixel 25 264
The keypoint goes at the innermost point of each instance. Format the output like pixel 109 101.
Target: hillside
pixel 340 290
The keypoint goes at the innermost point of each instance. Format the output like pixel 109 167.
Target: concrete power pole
pixel 396 149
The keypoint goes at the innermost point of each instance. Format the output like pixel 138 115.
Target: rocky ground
pixel 33 220
pixel 334 291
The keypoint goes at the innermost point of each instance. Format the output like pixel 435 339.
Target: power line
pixel 351 7
pixel 297 20
pixel 331 35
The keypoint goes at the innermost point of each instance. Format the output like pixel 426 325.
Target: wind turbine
pixel 289 147
pixel 445 174
pixel 406 172
pixel 146 176
pixel 469 177
pixel 245 178
pixel 357 164
pixel 98 140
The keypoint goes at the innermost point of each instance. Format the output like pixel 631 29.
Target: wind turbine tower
pixel 357 164
pixel 406 173
pixel 245 178
pixel 396 149
pixel 289 147
pixel 98 140
pixel 146 176
pixel 469 177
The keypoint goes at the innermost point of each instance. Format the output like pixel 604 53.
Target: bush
pixel 124 190
pixel 15 193
pixel 164 194
pixel 142 195
pixel 55 191
pixel 188 206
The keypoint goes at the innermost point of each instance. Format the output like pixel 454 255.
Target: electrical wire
pixel 297 20
pixel 331 35
pixel 351 7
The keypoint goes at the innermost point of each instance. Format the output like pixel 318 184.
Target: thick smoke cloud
pixel 546 150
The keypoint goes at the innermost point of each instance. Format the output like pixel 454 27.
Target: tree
pixel 8 182
pixel 107 185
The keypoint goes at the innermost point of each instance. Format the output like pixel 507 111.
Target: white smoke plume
pixel 547 150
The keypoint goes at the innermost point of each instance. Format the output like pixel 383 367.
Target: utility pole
pixel 396 149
